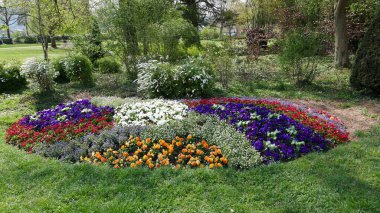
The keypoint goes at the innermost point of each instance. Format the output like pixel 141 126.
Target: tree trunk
pixel 221 30
pixel 8 32
pixel 53 42
pixel 341 43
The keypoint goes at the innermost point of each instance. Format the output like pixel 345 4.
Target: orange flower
pixel 178 166
pixel 165 162
pixel 156 146
pixel 205 144
pixel 224 160
pixel 133 165
pixel 184 150
pixel 137 139
pixel 148 140
pixel 139 143
pixel 144 147
pixel 194 163
pixel 178 143
pixel 115 161
pixel 219 165
pixel 219 151
pixel 171 149
pixel 199 152
pixel 116 167
pixel 125 154
pixel 151 166
pixel 164 152
pixel 189 137
pixel 103 159
pixel 148 162
pixel 180 160
pixel 139 162
pixel 211 166
pixel 150 154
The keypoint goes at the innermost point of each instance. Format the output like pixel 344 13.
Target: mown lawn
pixel 346 179
pixel 20 52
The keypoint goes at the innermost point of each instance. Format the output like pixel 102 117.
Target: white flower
pixel 150 112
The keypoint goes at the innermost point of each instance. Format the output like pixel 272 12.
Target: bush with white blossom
pixel 150 112
pixel 40 72
pixel 192 78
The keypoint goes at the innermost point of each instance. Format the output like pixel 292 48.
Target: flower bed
pixel 152 112
pixel 63 122
pixel 188 152
pixel 249 131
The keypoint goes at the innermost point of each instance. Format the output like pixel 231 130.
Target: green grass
pixel 346 179
pixel 21 52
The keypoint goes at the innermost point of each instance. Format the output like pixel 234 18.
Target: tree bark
pixel 341 41
pixel 53 43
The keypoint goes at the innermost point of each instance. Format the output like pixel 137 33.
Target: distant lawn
pixel 21 52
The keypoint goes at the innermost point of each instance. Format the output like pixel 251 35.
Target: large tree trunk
pixel 8 32
pixel 341 43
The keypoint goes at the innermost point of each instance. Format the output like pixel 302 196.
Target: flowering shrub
pixel 63 122
pixel 39 71
pixel 278 131
pixel 187 152
pixel 154 111
pixel 193 78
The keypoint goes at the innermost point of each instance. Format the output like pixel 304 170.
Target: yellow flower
pixel 151 166
pixel 133 165
pixel 211 166
pixel 189 137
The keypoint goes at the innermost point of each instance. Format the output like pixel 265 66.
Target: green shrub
pixel 108 65
pixel 26 39
pixel 59 66
pixel 234 144
pixel 10 77
pixel 6 41
pixel 299 56
pixel 366 70
pixel 210 33
pixel 192 78
pixel 39 72
pixel 79 68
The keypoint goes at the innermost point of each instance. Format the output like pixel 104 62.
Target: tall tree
pixel 341 41
pixel 8 14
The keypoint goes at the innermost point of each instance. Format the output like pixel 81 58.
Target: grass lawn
pixel 346 179
pixel 21 52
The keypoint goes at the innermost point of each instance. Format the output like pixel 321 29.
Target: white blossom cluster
pixel 39 71
pixel 151 112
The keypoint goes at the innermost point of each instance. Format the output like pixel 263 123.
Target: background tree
pixel 9 14
pixel 341 42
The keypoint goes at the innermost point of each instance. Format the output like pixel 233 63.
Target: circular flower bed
pixel 267 130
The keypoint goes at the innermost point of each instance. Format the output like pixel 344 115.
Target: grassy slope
pixel 21 52
pixel 346 179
